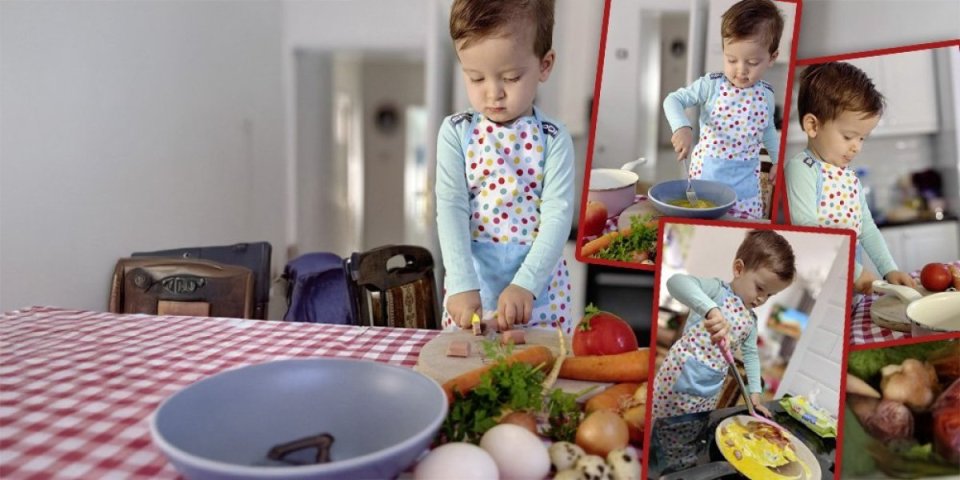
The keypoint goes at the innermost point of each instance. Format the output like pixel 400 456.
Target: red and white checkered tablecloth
pixel 862 328
pixel 77 387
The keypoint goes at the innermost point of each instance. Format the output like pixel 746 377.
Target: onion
pixel 602 432
pixel 521 419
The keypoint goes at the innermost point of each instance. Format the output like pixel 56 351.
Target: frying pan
pixel 755 470
pixel 720 469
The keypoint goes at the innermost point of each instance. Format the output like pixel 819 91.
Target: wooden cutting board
pixel 434 362
pixel 889 311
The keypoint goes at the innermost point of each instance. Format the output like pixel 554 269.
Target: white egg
pixel 456 460
pixel 519 454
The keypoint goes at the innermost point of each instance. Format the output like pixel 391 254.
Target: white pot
pixel 931 314
pixel 615 187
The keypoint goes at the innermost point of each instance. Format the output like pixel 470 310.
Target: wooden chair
pixel 730 394
pixel 177 286
pixel 393 286
pixel 252 255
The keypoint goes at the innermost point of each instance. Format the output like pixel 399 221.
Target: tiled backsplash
pixel 886 160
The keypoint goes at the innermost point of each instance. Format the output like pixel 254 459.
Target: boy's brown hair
pixel 829 89
pixel 472 20
pixel 768 249
pixel 749 18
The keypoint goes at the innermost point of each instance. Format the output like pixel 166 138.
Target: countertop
pixel 917 221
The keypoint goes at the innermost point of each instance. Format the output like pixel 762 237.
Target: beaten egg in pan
pixel 759 451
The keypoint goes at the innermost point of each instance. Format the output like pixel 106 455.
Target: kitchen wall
pixel 831 27
pixel 134 126
pixel 815 368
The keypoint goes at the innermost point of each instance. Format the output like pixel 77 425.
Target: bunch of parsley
pixel 505 388
pixel 642 238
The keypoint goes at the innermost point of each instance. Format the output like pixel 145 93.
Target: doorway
pixel 361 170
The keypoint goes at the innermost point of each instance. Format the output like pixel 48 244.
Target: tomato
pixel 603 333
pixel 594 218
pixel 936 277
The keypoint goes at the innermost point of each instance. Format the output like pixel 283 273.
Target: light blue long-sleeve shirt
pixel 704 294
pixel 453 208
pixel 703 93
pixel 803 180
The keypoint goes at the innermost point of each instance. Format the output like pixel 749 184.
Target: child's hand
pixel 772 174
pixel 755 398
pixel 515 305
pixel 681 140
pixel 716 325
pixel 864 283
pixel 900 278
pixel 462 306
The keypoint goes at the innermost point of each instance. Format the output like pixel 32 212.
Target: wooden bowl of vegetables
pixel 903 409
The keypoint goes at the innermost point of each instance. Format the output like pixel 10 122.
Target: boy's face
pixel 502 73
pixel 746 60
pixel 755 287
pixel 838 141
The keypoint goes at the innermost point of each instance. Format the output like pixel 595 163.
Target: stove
pixel 683 447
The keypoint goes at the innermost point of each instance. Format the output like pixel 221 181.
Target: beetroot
pixel 891 420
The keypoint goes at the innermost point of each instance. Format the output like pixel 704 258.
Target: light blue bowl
pixel 382 418
pixel 720 194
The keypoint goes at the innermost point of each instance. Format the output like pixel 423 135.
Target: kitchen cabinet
pixel 913 246
pixel 907 82
pixel 714 56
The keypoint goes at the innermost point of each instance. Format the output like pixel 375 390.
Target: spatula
pixel 743 388
pixel 691 193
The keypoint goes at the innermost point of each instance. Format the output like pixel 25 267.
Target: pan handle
pixel 632 166
pixel 703 472
pixel 906 294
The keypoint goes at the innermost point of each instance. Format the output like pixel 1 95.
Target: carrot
pixel 591 248
pixel 619 368
pixel 610 399
pixel 535 355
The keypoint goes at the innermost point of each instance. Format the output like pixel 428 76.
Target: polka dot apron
pixel 505 168
pixel 693 372
pixel 729 147
pixel 838 204
pixel 838 201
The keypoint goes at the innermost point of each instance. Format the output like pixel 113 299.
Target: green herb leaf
pixel 642 238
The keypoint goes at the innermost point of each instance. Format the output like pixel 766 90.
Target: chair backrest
pixel 393 286
pixel 730 394
pixel 317 290
pixel 253 255
pixel 177 286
